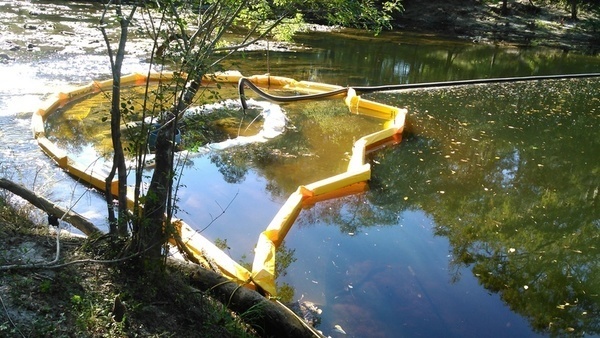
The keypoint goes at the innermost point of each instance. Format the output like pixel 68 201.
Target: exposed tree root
pixel 268 317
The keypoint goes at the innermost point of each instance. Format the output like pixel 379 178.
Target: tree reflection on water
pixel 510 175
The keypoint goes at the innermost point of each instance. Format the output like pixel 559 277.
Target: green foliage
pixel 366 14
pixel 373 15
pixel 288 27
pixel 76 300
pixel 46 286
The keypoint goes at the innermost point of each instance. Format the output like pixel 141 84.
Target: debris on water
pixel 338 328
pixel 307 310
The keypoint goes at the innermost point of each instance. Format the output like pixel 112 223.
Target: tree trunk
pixel 51 208
pixel 574 9
pixel 504 7
pixel 157 208
pixel 152 236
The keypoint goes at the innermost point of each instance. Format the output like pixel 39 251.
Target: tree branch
pixel 78 221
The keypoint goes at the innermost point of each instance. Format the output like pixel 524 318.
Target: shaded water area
pixel 484 221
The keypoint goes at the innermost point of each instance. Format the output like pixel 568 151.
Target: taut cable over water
pixel 372 89
pixel 365 90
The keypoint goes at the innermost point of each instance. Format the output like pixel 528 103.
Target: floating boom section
pixel 353 180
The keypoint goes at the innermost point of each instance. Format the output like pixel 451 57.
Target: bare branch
pixel 246 43
pixel 221 214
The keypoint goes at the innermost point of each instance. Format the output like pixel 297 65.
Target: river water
pixel 484 221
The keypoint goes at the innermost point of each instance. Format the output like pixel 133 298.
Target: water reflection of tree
pixel 513 183
pixel 70 132
pixel 392 59
pixel 284 257
pixel 351 214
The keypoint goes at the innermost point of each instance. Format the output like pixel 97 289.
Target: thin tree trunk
pixel 157 209
pixel 151 236
pixel 117 225
pixel 115 126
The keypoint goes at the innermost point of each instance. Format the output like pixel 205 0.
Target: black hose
pixel 371 89
pixel 470 82
pixel 244 81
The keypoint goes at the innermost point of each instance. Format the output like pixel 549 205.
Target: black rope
pixel 371 89
pixel 245 81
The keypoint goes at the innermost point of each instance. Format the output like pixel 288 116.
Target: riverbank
pixel 94 298
pixel 525 25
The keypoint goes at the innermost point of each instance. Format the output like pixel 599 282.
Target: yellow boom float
pixel 353 180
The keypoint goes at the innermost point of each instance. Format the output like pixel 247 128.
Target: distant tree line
pixel 376 15
pixel 573 6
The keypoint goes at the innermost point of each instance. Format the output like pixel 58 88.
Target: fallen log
pixel 269 318
pixel 40 202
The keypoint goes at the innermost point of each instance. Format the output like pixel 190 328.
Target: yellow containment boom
pixel 353 180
